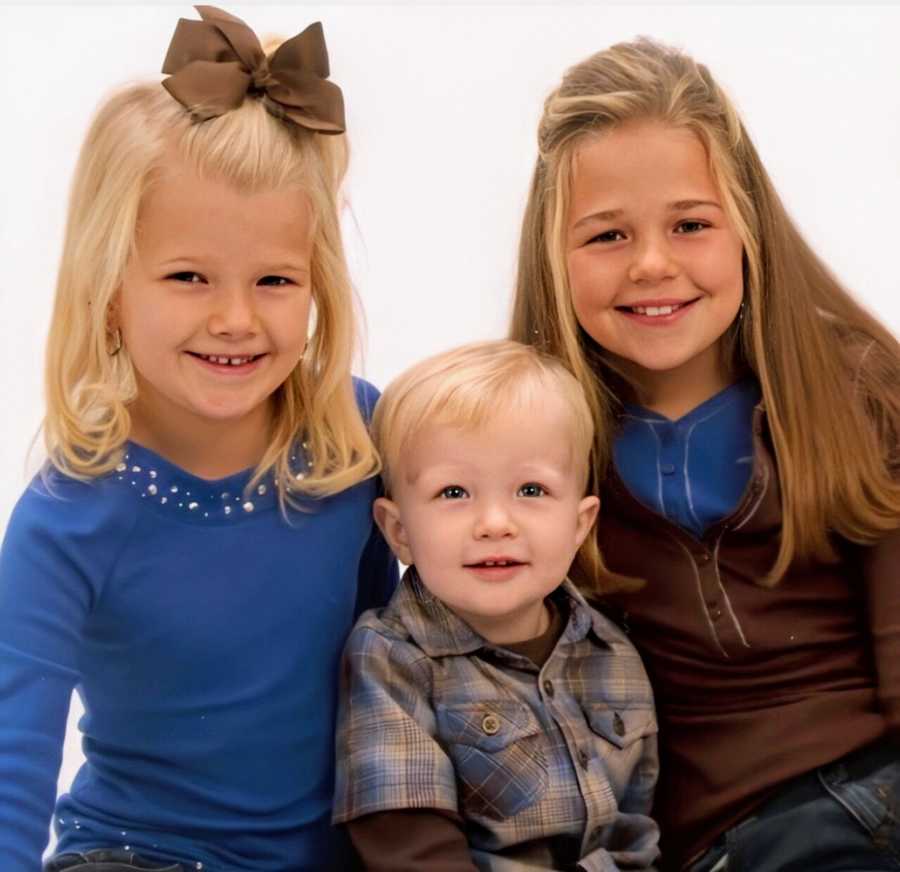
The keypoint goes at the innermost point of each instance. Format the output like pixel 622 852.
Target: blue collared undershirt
pixel 692 471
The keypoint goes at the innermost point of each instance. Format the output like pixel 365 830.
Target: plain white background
pixel 442 106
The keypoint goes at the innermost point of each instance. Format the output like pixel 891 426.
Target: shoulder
pixel 613 640
pixel 79 516
pixel 61 546
pixel 366 396
pixel 379 643
pixel 58 502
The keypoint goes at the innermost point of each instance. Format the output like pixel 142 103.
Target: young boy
pixel 490 719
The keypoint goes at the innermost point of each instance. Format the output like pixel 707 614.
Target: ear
pixel 113 315
pixel 387 516
pixel 587 514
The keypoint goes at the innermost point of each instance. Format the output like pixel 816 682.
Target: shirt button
pixel 703 558
pixel 667 468
pixel 548 687
pixel 618 725
pixel 583 758
pixel 490 724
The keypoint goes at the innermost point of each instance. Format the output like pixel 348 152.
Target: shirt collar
pixel 440 632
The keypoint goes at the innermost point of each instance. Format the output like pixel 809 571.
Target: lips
pixel 495 568
pixel 657 308
pixel 232 360
pixel 496 561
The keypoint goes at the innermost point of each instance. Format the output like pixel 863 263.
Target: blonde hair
pixel 467 387
pixel 810 345
pixel 88 390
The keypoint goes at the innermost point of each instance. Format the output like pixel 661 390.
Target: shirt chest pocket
pixel 621 726
pixel 497 751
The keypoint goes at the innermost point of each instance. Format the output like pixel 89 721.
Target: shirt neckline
pixel 177 493
pixel 745 388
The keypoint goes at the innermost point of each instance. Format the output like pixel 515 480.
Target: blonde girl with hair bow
pixel 747 413
pixel 201 540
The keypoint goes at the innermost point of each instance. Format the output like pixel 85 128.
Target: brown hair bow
pixel 216 62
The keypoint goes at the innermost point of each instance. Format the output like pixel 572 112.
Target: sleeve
pixel 378 570
pixel 411 840
pixel 45 597
pixel 881 570
pixel 366 397
pixel 387 754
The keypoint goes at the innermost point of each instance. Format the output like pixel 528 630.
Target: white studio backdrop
pixel 442 106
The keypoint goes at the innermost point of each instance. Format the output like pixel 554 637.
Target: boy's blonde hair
pixel 813 349
pixel 88 389
pixel 468 387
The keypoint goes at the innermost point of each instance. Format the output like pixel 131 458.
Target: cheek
pixel 291 321
pixel 143 325
pixel 723 267
pixel 592 281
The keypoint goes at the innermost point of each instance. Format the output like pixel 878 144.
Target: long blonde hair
pixel 827 368
pixel 88 390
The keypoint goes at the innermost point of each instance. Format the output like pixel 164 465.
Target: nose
pixel 234 313
pixel 653 261
pixel 495 521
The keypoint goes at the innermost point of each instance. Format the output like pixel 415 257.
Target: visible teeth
pixel 496 563
pixel 226 361
pixel 654 311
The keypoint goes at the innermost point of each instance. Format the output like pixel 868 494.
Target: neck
pixel 521 628
pixel 676 392
pixel 207 449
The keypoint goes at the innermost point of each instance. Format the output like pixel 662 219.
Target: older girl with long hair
pixel 748 412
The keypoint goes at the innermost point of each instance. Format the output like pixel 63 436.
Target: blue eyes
pixel 455 492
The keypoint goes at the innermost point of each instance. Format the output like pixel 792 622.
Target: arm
pixel 44 600
pixel 881 571
pixel 387 755
pixel 411 840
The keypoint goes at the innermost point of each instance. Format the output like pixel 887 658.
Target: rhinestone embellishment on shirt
pixel 204 504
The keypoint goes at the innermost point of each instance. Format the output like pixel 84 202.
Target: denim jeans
pixel 843 817
pixel 107 861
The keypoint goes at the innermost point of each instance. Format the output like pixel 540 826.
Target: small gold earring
pixel 114 347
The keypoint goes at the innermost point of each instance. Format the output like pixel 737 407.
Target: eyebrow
pixel 677 206
pixel 283 266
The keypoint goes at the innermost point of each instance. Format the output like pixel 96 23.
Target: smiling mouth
pixel 656 311
pixel 490 563
pixel 223 360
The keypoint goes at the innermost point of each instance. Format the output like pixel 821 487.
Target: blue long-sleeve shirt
pixel 203 631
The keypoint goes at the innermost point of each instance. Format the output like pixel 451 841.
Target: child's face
pixel 492 517
pixel 214 305
pixel 655 265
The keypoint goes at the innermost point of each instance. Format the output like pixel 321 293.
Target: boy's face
pixel 492 517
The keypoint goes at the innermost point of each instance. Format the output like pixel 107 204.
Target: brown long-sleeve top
pixel 753 685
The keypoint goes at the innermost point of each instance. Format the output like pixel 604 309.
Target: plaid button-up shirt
pixel 549 768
